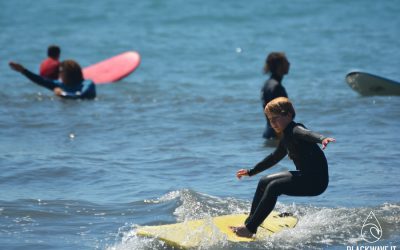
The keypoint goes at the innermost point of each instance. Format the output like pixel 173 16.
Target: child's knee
pixel 263 183
pixel 274 188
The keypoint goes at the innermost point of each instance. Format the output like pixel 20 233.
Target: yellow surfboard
pixel 195 233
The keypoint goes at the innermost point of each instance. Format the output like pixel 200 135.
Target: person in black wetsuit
pixel 311 177
pixel 71 86
pixel 277 65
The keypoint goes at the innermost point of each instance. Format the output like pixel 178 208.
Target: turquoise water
pixel 163 144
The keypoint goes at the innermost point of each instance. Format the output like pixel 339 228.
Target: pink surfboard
pixel 112 69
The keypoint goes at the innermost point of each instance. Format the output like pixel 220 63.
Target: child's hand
pixel 16 66
pixel 58 91
pixel 242 172
pixel 326 141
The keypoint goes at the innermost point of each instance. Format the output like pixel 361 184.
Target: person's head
pixel 280 113
pixel 276 64
pixel 54 51
pixel 71 73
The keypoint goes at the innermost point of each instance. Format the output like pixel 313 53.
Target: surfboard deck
pixel 368 84
pixel 112 69
pixel 194 233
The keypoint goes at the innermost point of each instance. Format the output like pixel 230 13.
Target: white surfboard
pixel 368 84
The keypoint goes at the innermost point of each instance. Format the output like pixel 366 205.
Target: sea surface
pixel 163 145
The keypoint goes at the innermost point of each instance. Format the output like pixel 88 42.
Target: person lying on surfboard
pixel 311 177
pixel 71 86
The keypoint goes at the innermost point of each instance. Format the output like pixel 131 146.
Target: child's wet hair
pixel 72 72
pixel 274 61
pixel 53 51
pixel 280 106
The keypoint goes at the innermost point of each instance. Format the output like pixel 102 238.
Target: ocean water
pixel 163 145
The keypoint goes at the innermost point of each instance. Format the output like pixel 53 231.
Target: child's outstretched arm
pixel 326 141
pixel 268 162
pixel 311 136
pixel 49 84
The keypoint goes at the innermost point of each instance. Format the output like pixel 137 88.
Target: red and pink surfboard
pixel 112 69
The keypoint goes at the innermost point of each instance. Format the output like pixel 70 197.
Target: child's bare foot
pixel 242 231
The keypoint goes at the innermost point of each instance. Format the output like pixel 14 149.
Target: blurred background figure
pixel 71 85
pixel 277 65
pixel 49 68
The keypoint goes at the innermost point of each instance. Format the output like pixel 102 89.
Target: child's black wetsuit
pixel 272 89
pixel 310 179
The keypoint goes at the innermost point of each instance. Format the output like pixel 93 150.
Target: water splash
pixel 318 227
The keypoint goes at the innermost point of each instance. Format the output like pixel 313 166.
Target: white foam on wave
pixel 167 197
pixel 318 227
pixel 198 205
pixel 322 227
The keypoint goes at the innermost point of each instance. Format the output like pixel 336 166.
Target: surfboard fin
pixel 285 214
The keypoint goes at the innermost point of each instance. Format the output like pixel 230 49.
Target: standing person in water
pixel 71 86
pixel 311 177
pixel 277 66
pixel 49 68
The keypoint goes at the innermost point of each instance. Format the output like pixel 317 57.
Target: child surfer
pixel 311 177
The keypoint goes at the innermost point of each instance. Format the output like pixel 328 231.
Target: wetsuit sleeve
pixel 88 91
pixel 269 161
pixel 265 96
pixel 47 83
pixel 307 135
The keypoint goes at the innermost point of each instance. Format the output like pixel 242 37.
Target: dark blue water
pixel 163 144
